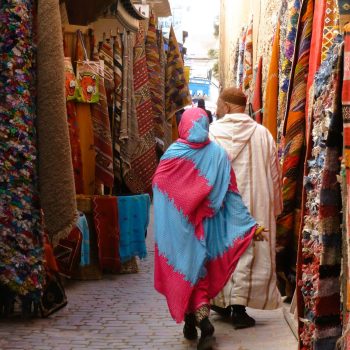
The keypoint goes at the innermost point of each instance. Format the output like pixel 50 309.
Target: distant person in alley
pixel 201 104
pixel 202 226
pixel 253 156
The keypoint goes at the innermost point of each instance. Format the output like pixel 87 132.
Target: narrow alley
pixel 125 312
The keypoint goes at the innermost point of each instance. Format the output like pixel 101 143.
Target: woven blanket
pixel 21 240
pixel 144 158
pixel 202 235
pixel 133 223
pixel 330 26
pixel 105 212
pixel 104 173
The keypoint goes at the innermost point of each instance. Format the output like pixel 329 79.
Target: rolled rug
pixel 56 179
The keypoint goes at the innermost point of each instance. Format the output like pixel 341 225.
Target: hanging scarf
pixel 192 235
pixel 271 99
pixel 21 239
pixel 240 70
pixel 257 97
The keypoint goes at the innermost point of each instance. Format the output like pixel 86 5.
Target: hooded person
pixel 202 226
pixel 253 156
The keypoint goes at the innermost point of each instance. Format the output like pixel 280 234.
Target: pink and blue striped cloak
pixel 202 226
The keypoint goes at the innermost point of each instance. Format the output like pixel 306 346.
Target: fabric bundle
pixel 57 190
pixel 21 236
pixel 133 213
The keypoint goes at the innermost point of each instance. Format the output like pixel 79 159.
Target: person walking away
pixel 201 224
pixel 253 155
pixel 201 104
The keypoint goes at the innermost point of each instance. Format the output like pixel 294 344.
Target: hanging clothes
pixel 257 96
pixel 287 222
pixel 272 88
pixel 240 70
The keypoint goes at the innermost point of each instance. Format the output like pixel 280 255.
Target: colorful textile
pixel 346 159
pixel 288 51
pixel 155 78
pixel 83 227
pixel 144 157
pixel 117 112
pixel 105 211
pixel 293 148
pixel 272 88
pixel 330 27
pixel 177 94
pixel 21 239
pixel 104 173
pixel 257 96
pixel 253 155
pixel 133 223
pixel 248 59
pixel 235 63
pixel 240 69
pixel 319 277
pixel 57 191
pixel 201 236
pixel 106 55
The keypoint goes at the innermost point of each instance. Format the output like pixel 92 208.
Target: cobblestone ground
pixel 124 312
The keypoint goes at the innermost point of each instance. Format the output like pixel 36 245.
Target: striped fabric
pixel 106 55
pixel 294 141
pixel 202 236
pixel 248 59
pixel 117 112
pixel 155 78
pixel 144 158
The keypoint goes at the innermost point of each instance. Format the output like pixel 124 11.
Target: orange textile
pixel 88 154
pixel 257 97
pixel 272 88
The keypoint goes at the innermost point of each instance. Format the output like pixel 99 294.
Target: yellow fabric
pixel 272 89
pixel 87 147
pixel 175 133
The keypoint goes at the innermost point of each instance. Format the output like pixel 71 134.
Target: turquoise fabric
pixel 85 246
pixel 133 212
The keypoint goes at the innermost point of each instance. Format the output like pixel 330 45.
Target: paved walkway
pixel 124 312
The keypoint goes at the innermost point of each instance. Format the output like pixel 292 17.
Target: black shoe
pixel 240 318
pixel 222 311
pixel 190 330
pixel 207 340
